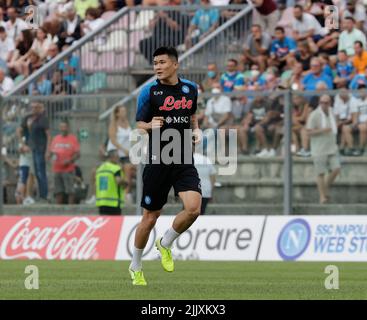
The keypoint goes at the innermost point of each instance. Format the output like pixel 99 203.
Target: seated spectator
pixel 173 22
pixel 205 21
pixel 329 43
pixel 59 86
pixel 358 125
pixel 70 68
pixel 14 25
pixel 266 15
pixel 41 43
pixel 92 20
pixel 344 106
pixel 326 65
pixel 300 113
pixel 31 63
pixel 257 47
pixel 356 11
pixel 294 80
pixel 305 26
pixel 344 70
pixel 349 36
pixel 281 48
pixel 316 75
pixel 212 77
pixel 232 79
pixel 360 58
pixel 6 83
pixel 358 80
pixel 43 87
pixel 70 28
pixel 52 52
pixel 7 48
pixel 304 55
pixel 82 6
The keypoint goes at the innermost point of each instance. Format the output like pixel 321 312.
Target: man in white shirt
pixel 357 11
pixel 305 25
pixel 6 83
pixel 349 36
pixel 6 46
pixel 15 25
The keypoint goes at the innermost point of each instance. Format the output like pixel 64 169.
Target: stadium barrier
pixel 226 238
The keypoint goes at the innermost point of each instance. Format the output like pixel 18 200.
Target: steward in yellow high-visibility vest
pixel 110 185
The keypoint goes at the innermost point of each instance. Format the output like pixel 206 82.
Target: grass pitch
pixel 191 280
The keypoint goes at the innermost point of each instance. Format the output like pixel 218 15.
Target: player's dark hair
pixel 359 42
pixel 169 51
pixel 281 29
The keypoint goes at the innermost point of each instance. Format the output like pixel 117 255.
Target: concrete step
pixel 212 209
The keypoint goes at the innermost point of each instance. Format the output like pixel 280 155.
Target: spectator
pixel 8 164
pixel 344 107
pixel 282 47
pixel 2 21
pixel 266 14
pixel 7 48
pixel 232 79
pixel 358 80
pixel 70 28
pixel 14 25
pixel 349 36
pixel 257 47
pixel 305 26
pixel 65 150
pixel 304 55
pixel 43 87
pixel 35 127
pixel 31 63
pixel 52 52
pixel 322 128
pixel 205 21
pixel 6 83
pixel 119 132
pixel 92 20
pixel 109 185
pixel 344 70
pixel 212 77
pixel 70 68
pixel 295 81
pixel 360 58
pixel 310 81
pixel 41 43
pixel 358 125
pixel 207 172
pixel 329 43
pixel 82 6
pixel 356 11
pixel 300 113
pixel 173 22
pixel 59 86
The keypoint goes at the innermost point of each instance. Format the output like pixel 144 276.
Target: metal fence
pixel 285 178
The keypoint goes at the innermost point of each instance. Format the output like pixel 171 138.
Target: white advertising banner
pixel 209 238
pixel 315 238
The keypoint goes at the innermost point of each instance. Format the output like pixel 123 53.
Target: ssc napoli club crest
pixel 147 200
pixel 185 89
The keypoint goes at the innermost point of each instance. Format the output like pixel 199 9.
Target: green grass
pixel 191 280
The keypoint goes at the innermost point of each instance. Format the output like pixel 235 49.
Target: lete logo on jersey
pixel 170 103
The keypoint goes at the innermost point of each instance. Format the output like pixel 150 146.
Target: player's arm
pixel 157 122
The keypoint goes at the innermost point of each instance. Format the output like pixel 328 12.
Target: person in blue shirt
pixel 310 81
pixel 205 21
pixel 358 80
pixel 232 79
pixel 70 68
pixel 344 70
pixel 281 48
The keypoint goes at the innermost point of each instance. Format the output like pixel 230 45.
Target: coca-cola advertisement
pixel 59 238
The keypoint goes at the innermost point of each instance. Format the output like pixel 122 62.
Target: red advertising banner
pixel 59 238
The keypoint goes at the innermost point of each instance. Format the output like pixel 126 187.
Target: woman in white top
pixel 42 42
pixel 119 138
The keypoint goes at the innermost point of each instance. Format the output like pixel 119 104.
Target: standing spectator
pixel 345 105
pixel 360 58
pixel 322 128
pixel 6 83
pixel 232 79
pixel 257 47
pixel 344 70
pixel 119 132
pixel 35 127
pixel 14 25
pixel 206 172
pixel 65 150
pixel 266 14
pixel 205 21
pixel 109 185
pixel 305 26
pixel 212 77
pixel 349 36
pixel 7 48
pixel 316 75
pixel 282 47
pixel 70 28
